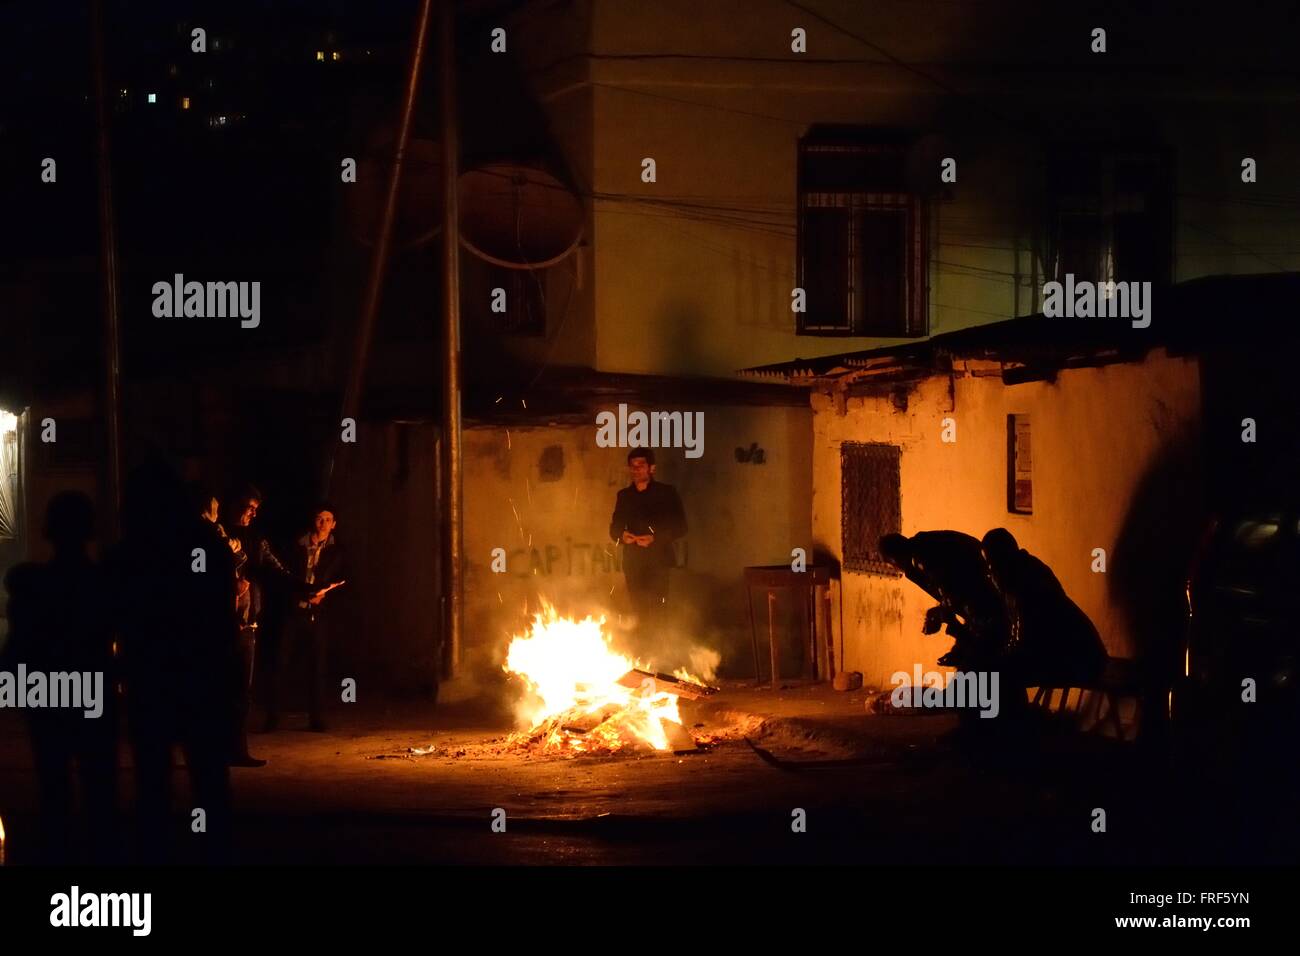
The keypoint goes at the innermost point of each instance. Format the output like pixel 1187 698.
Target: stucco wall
pixel 1114 467
pixel 555 532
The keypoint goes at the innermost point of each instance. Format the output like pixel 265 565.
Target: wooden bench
pixel 1111 707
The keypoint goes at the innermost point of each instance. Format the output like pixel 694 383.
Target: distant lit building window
pixel 153 97
pixel 185 102
pixel 320 55
pixel 122 93
pixel 171 70
pixel 334 55
pixel 1020 479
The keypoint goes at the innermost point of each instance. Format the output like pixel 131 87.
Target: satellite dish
pixel 518 217
pixel 419 199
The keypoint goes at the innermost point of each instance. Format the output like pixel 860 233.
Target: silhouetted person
pixel 58 613
pixel 174 579
pixel 949 566
pixel 647 519
pixel 1051 639
pixel 317 562
pixel 260 574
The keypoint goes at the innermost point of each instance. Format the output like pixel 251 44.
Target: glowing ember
pixel 575 702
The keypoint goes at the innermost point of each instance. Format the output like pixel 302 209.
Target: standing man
pixel 648 518
pixel 259 571
pixel 316 560
pixel 180 654
pixel 59 615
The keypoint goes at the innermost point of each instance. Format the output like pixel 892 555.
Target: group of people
pixel 170 616
pixel 1003 607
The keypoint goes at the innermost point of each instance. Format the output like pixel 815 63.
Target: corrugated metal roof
pixel 1189 317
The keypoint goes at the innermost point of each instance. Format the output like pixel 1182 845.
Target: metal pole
pixel 453 532
pixel 383 245
pixel 108 270
pixel 771 639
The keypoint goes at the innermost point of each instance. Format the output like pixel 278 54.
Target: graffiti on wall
pixel 572 558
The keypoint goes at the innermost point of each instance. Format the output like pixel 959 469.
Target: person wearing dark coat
pixel 59 623
pixel 260 575
pixel 1051 641
pixel 949 566
pixel 316 563
pixel 173 580
pixel 648 518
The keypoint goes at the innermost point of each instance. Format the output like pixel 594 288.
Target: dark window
pixel 1112 216
pixel 861 241
pixel 870 504
pixel 1020 479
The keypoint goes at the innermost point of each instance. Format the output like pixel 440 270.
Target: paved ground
pixel 874 789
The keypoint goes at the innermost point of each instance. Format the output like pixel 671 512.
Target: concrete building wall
pixel 692 274
pixel 1114 467
pixel 555 530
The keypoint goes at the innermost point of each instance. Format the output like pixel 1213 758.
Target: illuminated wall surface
pixel 739 514
pixel 1102 438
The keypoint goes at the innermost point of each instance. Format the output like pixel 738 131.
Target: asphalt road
pixel 898 790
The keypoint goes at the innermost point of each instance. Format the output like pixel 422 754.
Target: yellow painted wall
pixel 1096 433
pixel 739 514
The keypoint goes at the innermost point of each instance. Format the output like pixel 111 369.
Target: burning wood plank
pixel 665 683
pixel 585 723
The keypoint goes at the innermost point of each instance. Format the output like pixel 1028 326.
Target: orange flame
pixel 575 700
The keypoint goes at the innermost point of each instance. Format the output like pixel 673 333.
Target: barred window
pixel 870 504
pixel 862 258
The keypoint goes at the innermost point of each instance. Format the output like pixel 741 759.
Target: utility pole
pixel 351 404
pixel 452 504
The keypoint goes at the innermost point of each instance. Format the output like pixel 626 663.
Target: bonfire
pixel 583 696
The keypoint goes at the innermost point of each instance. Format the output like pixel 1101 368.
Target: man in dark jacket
pixel 949 566
pixel 260 574
pixel 173 579
pixel 317 561
pixel 1051 639
pixel 648 517
pixel 60 622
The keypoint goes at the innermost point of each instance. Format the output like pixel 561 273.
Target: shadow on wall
pixel 1148 570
